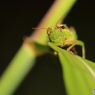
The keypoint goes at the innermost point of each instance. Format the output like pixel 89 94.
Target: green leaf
pixel 78 73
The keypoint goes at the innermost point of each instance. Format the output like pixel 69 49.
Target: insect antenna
pixel 61 18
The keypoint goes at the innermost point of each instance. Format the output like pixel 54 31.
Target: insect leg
pixel 72 45
pixel 83 47
pixel 77 42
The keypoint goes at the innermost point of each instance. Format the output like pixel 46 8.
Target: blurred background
pixel 17 20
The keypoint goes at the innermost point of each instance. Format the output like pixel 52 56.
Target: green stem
pixel 17 70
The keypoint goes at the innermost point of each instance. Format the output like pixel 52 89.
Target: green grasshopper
pixel 61 36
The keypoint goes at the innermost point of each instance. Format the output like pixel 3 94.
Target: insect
pixel 61 36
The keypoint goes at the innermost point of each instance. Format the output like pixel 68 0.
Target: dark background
pixel 17 19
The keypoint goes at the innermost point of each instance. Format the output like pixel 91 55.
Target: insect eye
pixel 63 27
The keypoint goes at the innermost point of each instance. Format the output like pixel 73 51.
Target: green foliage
pixel 79 73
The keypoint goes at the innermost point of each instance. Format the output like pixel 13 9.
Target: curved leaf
pixel 79 73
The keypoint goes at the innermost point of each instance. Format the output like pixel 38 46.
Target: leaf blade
pixel 78 73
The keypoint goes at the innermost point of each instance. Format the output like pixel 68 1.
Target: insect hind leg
pixel 83 47
pixel 77 42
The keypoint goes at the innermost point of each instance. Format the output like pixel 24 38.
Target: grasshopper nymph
pixel 60 35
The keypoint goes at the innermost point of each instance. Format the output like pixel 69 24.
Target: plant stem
pixel 17 70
